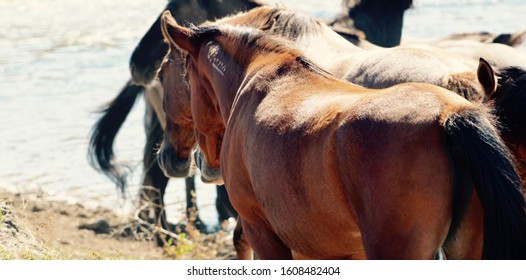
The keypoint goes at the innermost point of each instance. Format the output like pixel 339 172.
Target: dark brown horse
pixel 510 108
pixel 380 21
pixel 369 20
pixel 396 173
pixel 144 63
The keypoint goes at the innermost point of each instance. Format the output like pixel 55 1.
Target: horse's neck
pixel 226 72
pixel 385 30
pixel 279 73
pixel 236 70
pixel 255 76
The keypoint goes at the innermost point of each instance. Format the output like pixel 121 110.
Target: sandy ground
pixel 33 227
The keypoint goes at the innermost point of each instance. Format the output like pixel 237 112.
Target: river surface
pixel 60 60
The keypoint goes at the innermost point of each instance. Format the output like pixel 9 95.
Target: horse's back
pixel 387 67
pixel 499 55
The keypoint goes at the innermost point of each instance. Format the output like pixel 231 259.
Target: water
pixel 61 59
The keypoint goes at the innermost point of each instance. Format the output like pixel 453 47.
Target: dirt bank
pixel 34 227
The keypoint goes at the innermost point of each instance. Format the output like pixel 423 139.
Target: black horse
pixel 379 21
pixel 144 63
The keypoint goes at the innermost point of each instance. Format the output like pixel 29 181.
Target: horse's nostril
pixel 198 158
pixel 171 164
pixel 161 160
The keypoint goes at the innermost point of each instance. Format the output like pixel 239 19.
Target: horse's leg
pixel 405 210
pixel 154 182
pixel 265 243
pixel 154 101
pixel 154 187
pixel 410 230
pixel 243 250
pixel 192 212
pixel 224 208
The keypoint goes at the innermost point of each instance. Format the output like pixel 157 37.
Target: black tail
pixel 478 152
pixel 100 150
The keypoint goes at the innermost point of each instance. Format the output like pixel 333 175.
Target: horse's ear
pixel 176 35
pixel 486 77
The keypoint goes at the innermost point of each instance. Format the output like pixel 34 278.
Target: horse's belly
pixel 317 241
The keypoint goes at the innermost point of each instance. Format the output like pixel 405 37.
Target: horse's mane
pixel 278 20
pixel 510 102
pixel 292 25
pixel 257 41
pixel 368 4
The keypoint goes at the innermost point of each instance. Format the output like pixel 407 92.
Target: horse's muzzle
pixel 209 175
pixel 172 165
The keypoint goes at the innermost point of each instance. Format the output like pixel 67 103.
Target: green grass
pixel 179 248
pixel 5 255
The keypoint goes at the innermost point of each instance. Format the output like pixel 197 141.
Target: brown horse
pixel 380 174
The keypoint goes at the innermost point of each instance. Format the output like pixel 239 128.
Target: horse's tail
pixel 100 150
pixel 481 159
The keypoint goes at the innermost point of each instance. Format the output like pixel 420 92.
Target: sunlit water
pixel 61 59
